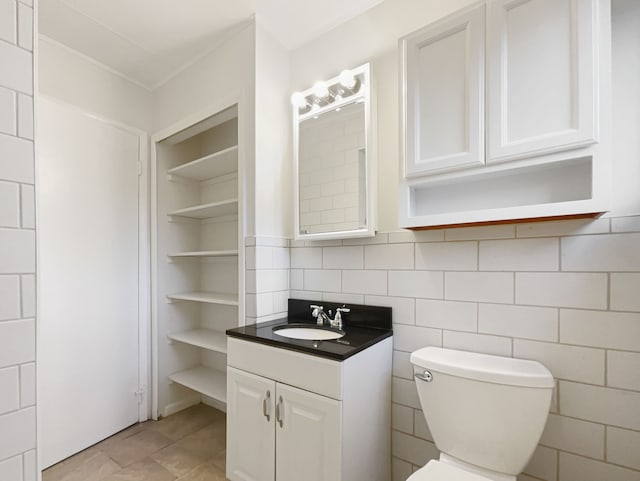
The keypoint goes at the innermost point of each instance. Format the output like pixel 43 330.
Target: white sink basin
pixel 308 333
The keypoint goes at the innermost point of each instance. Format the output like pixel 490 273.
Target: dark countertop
pixel 356 339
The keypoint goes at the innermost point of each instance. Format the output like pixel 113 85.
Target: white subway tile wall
pixel 268 272
pixel 565 293
pixel 17 245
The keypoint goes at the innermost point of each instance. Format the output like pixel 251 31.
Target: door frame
pixel 144 259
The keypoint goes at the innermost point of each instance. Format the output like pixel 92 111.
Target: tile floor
pixel 188 446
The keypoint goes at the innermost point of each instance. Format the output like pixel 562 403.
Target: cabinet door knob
pixel 265 406
pixel 279 412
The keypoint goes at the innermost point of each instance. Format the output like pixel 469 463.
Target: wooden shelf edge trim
pixel 525 220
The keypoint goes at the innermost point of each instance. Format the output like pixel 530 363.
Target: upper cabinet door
pixel 443 70
pixel 541 62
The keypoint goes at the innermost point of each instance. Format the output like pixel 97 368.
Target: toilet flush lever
pixel 424 376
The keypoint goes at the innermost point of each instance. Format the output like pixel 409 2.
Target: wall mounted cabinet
pixel 197 246
pixel 505 113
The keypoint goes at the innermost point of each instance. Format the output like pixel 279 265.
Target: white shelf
pixel 204 211
pixel 208 167
pixel 206 297
pixel 204 380
pixel 204 338
pixel 221 253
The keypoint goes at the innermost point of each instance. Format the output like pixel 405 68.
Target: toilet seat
pixel 439 471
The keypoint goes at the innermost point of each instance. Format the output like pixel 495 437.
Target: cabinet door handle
pixel 265 406
pixel 279 412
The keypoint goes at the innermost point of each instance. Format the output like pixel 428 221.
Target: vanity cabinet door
pixel 251 440
pixel 308 436
pixel 443 98
pixel 541 77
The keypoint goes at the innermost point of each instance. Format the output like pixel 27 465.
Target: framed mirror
pixel 334 158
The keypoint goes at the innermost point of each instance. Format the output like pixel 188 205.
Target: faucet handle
pixel 337 321
pixel 316 310
pixel 339 312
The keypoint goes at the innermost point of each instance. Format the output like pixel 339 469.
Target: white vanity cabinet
pixel 293 416
pixel 505 113
pixel 303 425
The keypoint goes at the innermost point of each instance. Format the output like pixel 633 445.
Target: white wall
pixel 69 76
pixel 273 181
pixel 564 293
pixel 223 72
pixel 17 244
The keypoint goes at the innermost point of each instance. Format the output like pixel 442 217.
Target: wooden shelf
pixel 221 253
pixel 206 297
pixel 204 338
pixel 210 166
pixel 204 211
pixel 204 380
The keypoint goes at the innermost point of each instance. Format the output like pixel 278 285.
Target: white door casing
pixel 92 293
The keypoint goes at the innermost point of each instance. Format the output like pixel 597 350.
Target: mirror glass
pixel 332 175
pixel 334 163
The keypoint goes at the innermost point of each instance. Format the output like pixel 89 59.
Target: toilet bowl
pixel 485 413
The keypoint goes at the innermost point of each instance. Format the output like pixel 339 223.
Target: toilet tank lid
pixel 483 367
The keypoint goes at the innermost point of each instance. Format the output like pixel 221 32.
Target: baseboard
pixel 180 405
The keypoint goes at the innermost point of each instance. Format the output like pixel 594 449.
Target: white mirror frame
pixel 366 93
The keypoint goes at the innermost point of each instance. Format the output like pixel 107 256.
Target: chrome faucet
pixel 322 317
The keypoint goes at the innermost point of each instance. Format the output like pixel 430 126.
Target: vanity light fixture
pixel 320 90
pixel 329 94
pixel 347 79
pixel 298 100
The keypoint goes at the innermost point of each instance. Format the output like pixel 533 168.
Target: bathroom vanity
pixel 317 410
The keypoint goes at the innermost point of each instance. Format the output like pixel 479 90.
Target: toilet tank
pixel 485 410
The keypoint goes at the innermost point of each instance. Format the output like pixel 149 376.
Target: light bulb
pixel 320 89
pixel 298 100
pixel 347 79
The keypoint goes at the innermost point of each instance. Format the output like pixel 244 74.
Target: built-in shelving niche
pixel 553 189
pixel 198 242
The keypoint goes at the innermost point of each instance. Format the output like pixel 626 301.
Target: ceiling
pixel 149 41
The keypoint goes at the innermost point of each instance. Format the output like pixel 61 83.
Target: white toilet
pixel 485 413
